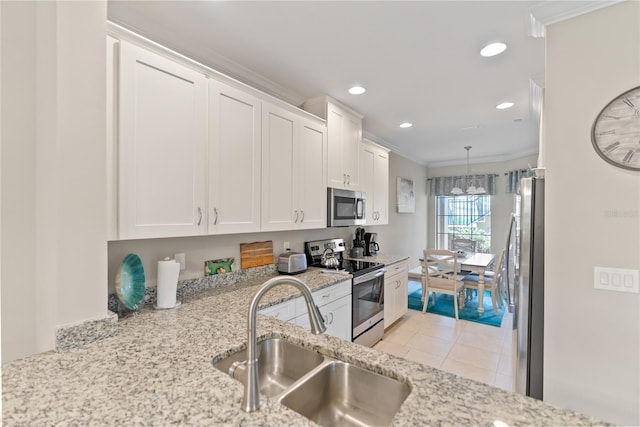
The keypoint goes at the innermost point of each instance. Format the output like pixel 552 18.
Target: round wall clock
pixel 615 133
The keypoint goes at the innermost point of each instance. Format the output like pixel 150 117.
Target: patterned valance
pixel 442 185
pixel 514 177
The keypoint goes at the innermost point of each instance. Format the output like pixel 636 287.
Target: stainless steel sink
pixel 327 391
pixel 280 364
pixel 341 394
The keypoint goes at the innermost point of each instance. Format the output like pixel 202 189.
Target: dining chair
pixel 491 283
pixel 440 275
pixel 466 245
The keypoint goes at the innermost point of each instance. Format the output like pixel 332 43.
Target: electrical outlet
pixel 181 258
pixel 287 247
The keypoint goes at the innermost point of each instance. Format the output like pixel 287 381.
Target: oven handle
pixel 369 276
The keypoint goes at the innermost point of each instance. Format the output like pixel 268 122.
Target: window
pixel 463 217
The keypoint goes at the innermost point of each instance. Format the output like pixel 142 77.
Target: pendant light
pixel 471 189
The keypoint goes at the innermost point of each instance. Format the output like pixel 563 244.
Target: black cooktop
pixel 355 267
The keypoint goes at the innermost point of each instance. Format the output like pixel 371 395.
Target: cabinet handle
pixel 344 178
pixel 302 220
pixel 199 216
pixel 215 220
pixel 331 321
pixel 296 212
pixel 326 296
pixel 348 179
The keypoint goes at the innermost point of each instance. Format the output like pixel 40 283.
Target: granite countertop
pixel 157 371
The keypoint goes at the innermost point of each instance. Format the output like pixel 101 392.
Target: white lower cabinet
pixel 334 303
pixel 337 317
pixel 285 311
pixel 396 294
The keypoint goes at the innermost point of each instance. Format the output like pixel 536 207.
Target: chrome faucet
pixel 251 400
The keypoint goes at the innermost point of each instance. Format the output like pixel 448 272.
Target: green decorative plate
pixel 130 282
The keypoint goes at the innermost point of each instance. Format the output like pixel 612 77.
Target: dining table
pixel 479 263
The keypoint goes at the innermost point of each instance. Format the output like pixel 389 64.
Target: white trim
pixel 482 160
pixel 550 12
pixel 281 97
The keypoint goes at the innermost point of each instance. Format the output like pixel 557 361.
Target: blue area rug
pixel 444 306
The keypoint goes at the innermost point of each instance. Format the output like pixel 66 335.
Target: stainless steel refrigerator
pixel 528 295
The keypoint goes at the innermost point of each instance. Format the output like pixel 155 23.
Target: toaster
pixel 292 263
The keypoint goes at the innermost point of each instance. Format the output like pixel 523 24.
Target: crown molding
pixel 482 160
pixel 223 66
pixel 550 12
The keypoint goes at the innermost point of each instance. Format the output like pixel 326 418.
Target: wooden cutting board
pixel 256 254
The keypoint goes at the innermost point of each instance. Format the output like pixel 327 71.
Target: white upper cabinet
pixel 312 174
pixel 344 134
pixel 234 160
pixel 162 146
pixel 293 165
pixel 279 169
pixel 192 152
pixel 374 180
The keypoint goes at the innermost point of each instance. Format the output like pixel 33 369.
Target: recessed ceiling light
pixel 504 105
pixel 493 49
pixel 406 125
pixel 357 90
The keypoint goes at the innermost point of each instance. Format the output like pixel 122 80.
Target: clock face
pixel 616 131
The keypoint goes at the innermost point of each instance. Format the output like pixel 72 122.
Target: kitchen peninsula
pixel 158 371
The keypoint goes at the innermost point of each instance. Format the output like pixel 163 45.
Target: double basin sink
pixel 327 391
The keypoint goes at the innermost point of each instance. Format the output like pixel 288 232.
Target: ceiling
pixel 418 60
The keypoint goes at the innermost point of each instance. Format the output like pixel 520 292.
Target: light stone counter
pixel 157 371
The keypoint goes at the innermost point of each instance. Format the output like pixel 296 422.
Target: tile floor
pixel 472 350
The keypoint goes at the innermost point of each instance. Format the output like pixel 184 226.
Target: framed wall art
pixel 406 197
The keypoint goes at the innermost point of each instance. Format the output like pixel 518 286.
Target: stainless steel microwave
pixel 345 207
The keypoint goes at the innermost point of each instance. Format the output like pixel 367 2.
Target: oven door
pixel 368 307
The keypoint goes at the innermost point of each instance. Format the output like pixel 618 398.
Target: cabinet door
pixel 279 170
pixel 337 318
pixel 367 161
pixel 390 304
pixel 352 136
pixel 374 181
pixel 312 175
pixel 162 147
pixel 336 177
pixel 284 311
pixel 402 294
pixel 381 187
pixel 234 160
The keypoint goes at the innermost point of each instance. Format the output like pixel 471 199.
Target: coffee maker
pixel 371 246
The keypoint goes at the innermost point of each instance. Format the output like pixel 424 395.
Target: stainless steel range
pixel 368 287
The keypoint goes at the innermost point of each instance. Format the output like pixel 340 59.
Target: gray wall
pixel 592 337
pixel 405 235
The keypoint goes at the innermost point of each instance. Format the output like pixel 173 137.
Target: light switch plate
pixel 616 279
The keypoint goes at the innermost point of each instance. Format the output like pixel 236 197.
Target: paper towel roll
pixel 168 271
